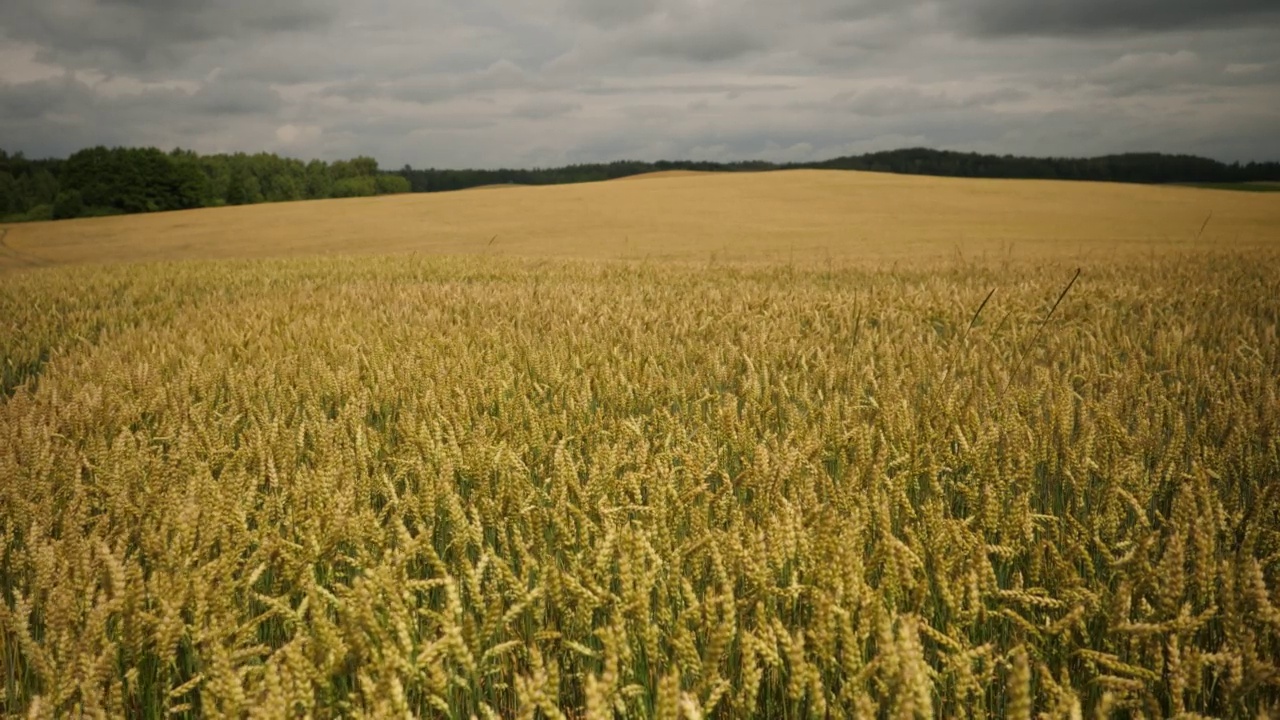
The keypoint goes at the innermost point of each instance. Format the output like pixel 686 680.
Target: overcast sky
pixel 485 83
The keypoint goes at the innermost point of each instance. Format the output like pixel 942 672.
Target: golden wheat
pixel 801 217
pixel 494 487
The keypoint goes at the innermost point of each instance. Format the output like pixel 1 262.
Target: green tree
pixel 319 182
pixel 355 187
pixel 391 184
pixel 43 187
pixel 69 204
pixel 10 199
pixel 188 185
pixel 237 190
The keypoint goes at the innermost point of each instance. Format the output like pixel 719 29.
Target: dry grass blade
pixel 1204 225
pixel 1022 353
pixel 974 320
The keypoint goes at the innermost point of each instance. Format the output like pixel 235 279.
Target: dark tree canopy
pixel 109 181
pixel 114 181
pixel 1137 167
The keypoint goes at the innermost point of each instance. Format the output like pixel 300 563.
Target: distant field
pixel 788 445
pixel 796 216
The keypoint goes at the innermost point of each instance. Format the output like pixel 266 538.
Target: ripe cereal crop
pixel 567 483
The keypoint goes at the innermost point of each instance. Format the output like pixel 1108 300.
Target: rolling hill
pixel 796 216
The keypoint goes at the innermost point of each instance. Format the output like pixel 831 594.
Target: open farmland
pixel 803 216
pixel 700 446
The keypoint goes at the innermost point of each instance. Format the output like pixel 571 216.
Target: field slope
pixel 756 216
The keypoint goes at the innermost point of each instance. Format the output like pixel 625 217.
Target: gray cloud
pixel 543 108
pixel 236 97
pixel 682 31
pixel 610 13
pixel 22 102
pixel 59 115
pixel 139 34
pixel 884 101
pixel 705 44
pixel 525 82
pixel 430 89
pixel 690 89
pixel 1072 17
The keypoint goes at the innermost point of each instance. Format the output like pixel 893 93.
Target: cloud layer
pixel 485 83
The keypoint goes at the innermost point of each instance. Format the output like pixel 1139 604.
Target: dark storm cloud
pixel 1084 17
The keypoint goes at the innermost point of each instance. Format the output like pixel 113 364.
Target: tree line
pixel 1131 167
pixel 109 181
pixel 1154 168
pixel 115 181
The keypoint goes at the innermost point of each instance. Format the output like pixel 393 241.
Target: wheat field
pixel 326 460
pixel 803 216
